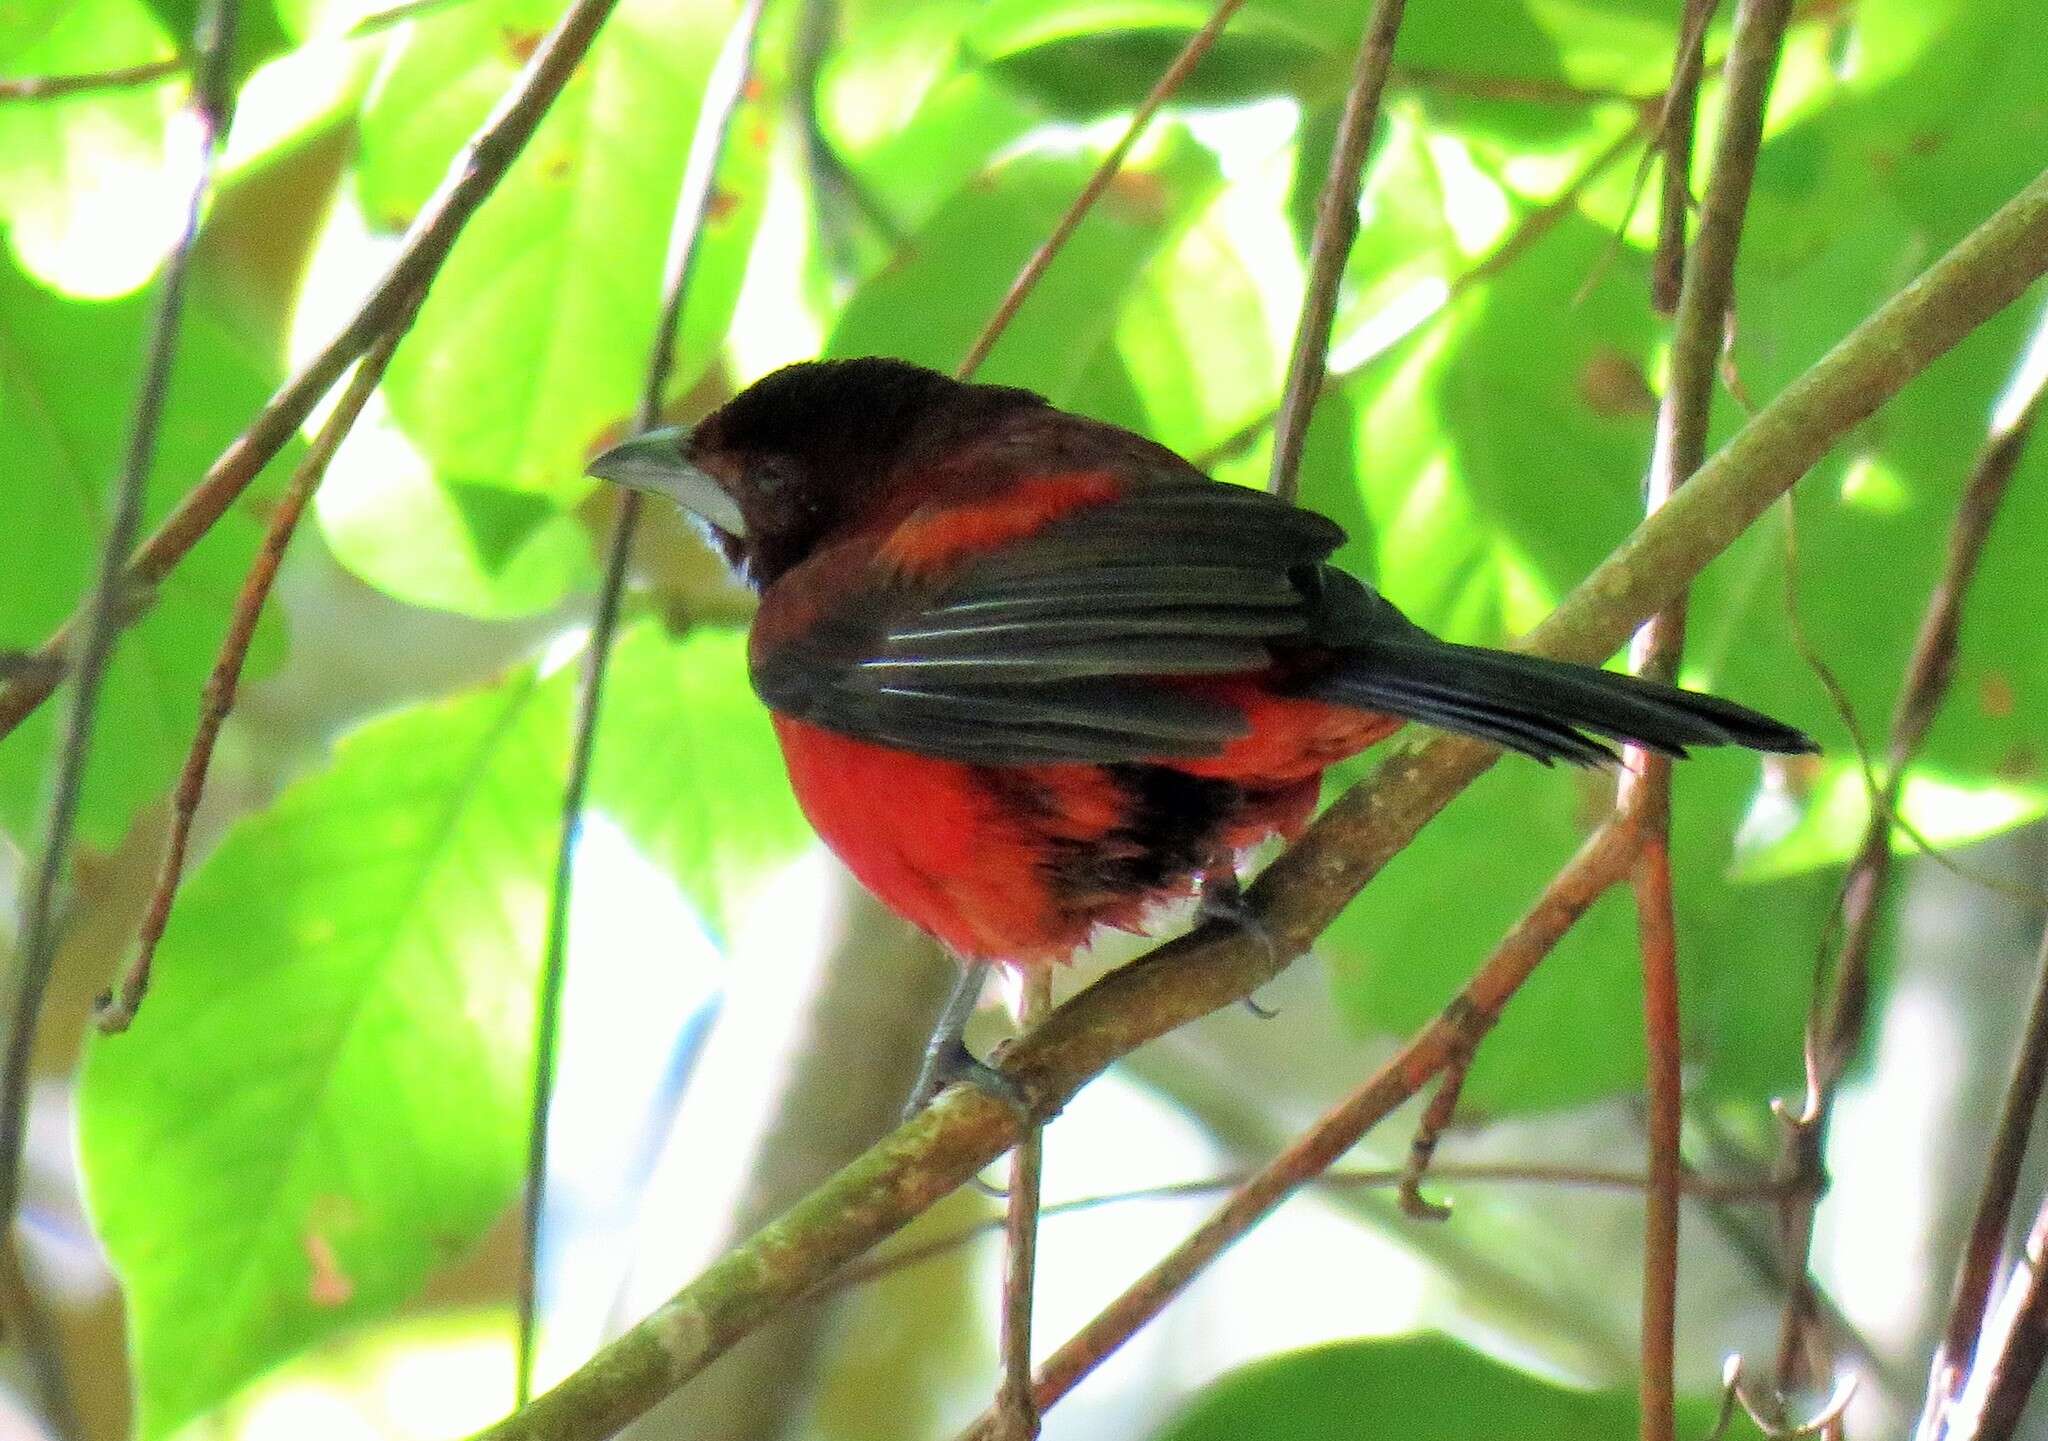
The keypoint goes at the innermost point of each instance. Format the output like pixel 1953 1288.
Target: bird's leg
pixel 1223 900
pixel 947 1059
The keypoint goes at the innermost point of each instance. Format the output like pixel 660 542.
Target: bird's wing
pixel 1045 647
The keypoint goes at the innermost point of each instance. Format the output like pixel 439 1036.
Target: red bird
pixel 1033 674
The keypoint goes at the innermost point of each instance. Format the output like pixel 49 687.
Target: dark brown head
pixel 805 453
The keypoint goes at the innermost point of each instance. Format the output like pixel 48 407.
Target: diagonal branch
pixel 723 91
pixel 1300 893
pixel 1840 1014
pixel 1041 259
pixel 1330 245
pixel 55 87
pixel 1956 1358
pixel 111 597
pixel 116 1009
pixel 475 173
pixel 1451 1036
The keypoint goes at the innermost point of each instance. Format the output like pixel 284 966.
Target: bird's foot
pixel 947 1062
pixel 947 1059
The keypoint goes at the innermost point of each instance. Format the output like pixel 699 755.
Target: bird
pixel 1034 675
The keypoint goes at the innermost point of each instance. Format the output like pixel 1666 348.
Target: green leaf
pixel 535 337
pixel 1420 1388
pixel 1094 57
pixel 474 549
pixel 689 768
pixel 1826 828
pixel 324 1096
pixel 88 203
pixel 930 307
pixel 60 446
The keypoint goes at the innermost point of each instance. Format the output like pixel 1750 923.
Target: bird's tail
pixel 1547 709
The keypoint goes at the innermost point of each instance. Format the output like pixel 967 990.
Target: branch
pixel 1302 891
pixel 1977 1275
pixel 212 41
pixel 1681 109
pixel 1841 1013
pixel 1329 247
pixel 473 176
pixel 53 87
pixel 1443 1043
pixel 1644 796
pixel 1027 279
pixel 117 1008
pixel 1722 1192
pixel 723 90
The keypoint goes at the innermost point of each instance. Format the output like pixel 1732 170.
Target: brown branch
pixel 1702 302
pixel 1330 245
pixel 1429 1133
pixel 1977 1273
pixel 2013 1346
pixel 1842 1011
pixel 723 91
pixel 1304 889
pixel 1456 1032
pixel 1041 259
pixel 107 606
pixel 475 173
pixel 1681 112
pixel 54 87
pixel 117 1008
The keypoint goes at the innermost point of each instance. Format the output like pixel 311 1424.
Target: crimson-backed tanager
pixel 1033 674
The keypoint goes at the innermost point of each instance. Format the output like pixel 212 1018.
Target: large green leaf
pixel 930 305
pixel 85 196
pixel 535 337
pixel 1420 1388
pixel 688 766
pixel 60 446
pixel 323 1097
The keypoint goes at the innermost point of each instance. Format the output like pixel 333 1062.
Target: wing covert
pixel 1048 648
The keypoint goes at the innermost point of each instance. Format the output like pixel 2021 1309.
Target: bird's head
pixel 804 454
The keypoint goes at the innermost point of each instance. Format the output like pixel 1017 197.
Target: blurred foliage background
pixel 281 1205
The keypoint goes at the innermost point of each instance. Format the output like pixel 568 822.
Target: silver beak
pixel 653 463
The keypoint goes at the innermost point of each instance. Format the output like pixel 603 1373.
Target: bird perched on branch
pixel 1033 674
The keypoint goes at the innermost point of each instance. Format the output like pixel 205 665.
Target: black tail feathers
pixel 1547 709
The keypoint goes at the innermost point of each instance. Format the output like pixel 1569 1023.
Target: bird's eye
pixel 770 474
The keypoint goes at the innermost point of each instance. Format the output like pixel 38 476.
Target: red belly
pixel 949 846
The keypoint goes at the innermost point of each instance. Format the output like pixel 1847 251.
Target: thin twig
pixel 212 42
pixel 1016 1412
pixel 1841 1010
pixel 1681 112
pixel 117 1008
pixel 1429 1133
pixel 723 91
pixel 1761 1191
pixel 1308 885
pixel 472 177
pixel 52 87
pixel 1330 245
pixel 1162 90
pixel 1702 303
pixel 1456 1032
pixel 2010 1351
pixel 1977 1273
